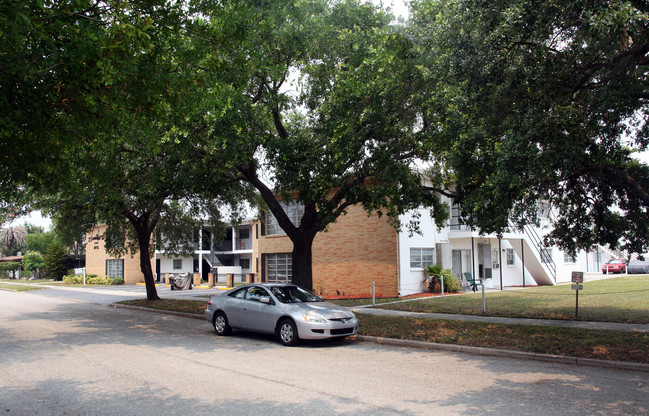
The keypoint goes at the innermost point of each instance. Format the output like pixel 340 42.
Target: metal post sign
pixel 577 280
pixel 577 277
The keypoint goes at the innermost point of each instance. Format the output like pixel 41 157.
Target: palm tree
pixel 12 237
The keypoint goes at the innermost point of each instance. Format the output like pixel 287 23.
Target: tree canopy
pixel 154 113
pixel 149 167
pixel 541 101
pixel 60 60
pixel 330 95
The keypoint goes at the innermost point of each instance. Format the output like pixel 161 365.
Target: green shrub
pixel 92 279
pixel 97 280
pixel 55 263
pixel 451 283
pixel 72 279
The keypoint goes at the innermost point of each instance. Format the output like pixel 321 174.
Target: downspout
pixel 199 249
pixel 523 260
pixel 500 262
pixel 398 264
pixel 473 260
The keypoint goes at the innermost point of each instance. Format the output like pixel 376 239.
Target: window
pixel 567 258
pixel 239 294
pixel 244 233
pixel 421 257
pixel 462 263
pixel 293 294
pixel 456 218
pixel 244 263
pixel 295 211
pixel 279 268
pixel 178 264
pixel 546 255
pixel 510 256
pixel 256 294
pixel 544 209
pixel 115 268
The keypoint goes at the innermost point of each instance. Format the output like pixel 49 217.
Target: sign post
pixel 577 280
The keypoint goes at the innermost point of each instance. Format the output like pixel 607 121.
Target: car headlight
pixel 313 317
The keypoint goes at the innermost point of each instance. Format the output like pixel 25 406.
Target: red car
pixel 614 266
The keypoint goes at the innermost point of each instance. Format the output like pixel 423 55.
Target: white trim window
pixel 295 212
pixel 546 255
pixel 115 268
pixel 421 257
pixel 567 258
pixel 279 268
pixel 510 256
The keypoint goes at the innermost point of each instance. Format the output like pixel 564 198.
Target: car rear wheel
pixel 221 325
pixel 287 333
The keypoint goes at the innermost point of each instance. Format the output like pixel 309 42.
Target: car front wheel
pixel 287 333
pixel 221 325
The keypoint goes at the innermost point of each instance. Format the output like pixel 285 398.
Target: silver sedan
pixel 287 311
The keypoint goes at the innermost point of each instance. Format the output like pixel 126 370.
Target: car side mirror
pixel 267 301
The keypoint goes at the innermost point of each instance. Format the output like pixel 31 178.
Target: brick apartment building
pixel 361 251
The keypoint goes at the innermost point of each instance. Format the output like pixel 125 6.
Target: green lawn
pixel 621 299
pixel 574 342
pixel 18 287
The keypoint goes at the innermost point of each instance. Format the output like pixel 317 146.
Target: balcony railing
pixel 245 244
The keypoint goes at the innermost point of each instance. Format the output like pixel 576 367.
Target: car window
pixel 293 294
pixel 257 293
pixel 239 294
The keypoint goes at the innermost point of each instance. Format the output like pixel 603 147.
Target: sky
pixel 398 7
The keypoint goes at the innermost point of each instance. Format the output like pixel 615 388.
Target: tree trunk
pixel 302 261
pixel 144 239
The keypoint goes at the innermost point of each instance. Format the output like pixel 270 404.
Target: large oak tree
pixel 143 161
pixel 330 89
pixel 542 101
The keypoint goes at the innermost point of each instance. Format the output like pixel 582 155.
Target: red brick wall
pixel 96 257
pixel 355 251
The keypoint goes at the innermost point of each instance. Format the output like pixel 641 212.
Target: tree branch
pixel 621 175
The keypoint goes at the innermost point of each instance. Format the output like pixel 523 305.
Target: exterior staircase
pixel 530 249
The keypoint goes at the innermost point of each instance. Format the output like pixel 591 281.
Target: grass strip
pixel 585 343
pixel 623 299
pixel 18 287
pixel 176 305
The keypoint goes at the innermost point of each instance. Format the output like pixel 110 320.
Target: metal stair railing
pixel 541 250
pixel 212 260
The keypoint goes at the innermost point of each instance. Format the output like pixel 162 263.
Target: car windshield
pixel 616 262
pixel 293 294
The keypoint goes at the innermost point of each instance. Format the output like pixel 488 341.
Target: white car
pixel 288 311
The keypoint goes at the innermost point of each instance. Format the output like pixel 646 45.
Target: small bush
pixel 97 280
pixel 72 279
pixel 92 279
pixel 451 283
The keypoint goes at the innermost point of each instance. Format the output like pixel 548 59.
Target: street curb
pixel 494 352
pixel 464 349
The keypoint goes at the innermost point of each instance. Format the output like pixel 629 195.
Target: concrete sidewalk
pixel 509 321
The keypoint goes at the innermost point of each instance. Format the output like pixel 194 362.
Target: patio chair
pixel 473 282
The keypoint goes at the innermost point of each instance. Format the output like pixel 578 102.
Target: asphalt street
pixel 65 354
